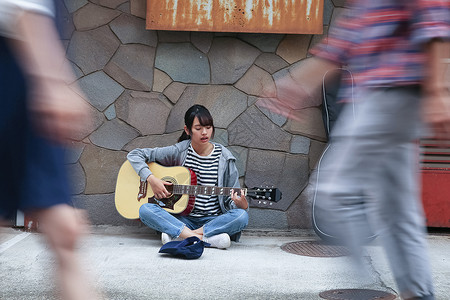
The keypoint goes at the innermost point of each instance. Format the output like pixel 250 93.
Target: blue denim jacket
pixel 175 155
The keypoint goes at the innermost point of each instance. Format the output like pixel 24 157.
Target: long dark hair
pixel 203 115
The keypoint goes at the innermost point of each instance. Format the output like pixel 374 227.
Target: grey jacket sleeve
pixel 231 179
pixel 166 156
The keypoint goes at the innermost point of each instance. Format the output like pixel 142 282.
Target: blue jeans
pixel 376 154
pixel 231 222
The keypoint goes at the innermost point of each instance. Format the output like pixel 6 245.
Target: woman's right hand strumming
pixel 158 187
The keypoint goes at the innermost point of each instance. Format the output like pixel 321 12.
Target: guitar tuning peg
pixel 270 198
pixel 270 190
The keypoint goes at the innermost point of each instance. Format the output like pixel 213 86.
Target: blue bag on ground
pixel 190 248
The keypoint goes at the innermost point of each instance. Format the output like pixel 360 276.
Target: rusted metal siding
pixel 258 16
pixel 435 182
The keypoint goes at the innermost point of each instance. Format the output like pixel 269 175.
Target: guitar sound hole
pixel 169 188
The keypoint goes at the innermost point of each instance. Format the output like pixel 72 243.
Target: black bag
pixel 330 113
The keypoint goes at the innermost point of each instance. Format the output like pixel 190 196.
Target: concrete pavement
pixel 124 263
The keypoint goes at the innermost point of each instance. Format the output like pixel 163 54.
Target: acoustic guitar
pixel 132 192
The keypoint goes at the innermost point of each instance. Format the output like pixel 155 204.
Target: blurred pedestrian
pixel 397 52
pixel 39 114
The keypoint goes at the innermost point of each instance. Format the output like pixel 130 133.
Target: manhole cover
pixel 356 294
pixel 315 249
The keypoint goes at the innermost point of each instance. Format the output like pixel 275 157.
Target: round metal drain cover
pixel 356 294
pixel 315 249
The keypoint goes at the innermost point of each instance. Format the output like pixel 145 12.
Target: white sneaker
pixel 220 241
pixel 165 238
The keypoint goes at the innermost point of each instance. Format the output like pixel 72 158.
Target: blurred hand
pixel 158 187
pixel 289 94
pixel 57 110
pixel 437 112
pixel 287 97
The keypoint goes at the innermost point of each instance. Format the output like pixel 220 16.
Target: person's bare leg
pixel 199 231
pixel 188 233
pixel 63 226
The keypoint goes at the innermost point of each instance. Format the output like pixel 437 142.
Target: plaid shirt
pixel 382 41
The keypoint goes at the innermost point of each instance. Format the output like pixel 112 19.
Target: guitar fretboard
pixel 204 190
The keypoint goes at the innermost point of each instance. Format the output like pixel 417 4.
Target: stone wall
pixel 140 82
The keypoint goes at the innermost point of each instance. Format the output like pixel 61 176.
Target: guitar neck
pixel 204 190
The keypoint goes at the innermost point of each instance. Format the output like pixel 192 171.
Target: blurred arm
pixel 58 111
pixel 436 88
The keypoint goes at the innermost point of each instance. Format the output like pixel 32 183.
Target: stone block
pixel 241 155
pixel 299 214
pixel 202 40
pixel 113 135
pixel 174 91
pixel 288 172
pixel 73 152
pixel 168 36
pixel 339 3
pixel 110 112
pixel 101 167
pixel 224 102
pixel 77 73
pixel 101 209
pixel 131 30
pixel 220 136
pixel 77 178
pixel 256 82
pixel 253 129
pixel 100 89
pixel 64 21
pixel 147 112
pixel 91 50
pixel 265 42
pixel 276 118
pixel 125 7
pixel 300 144
pixel 294 47
pixel 307 122
pixel 327 11
pixel 132 66
pixel 230 58
pixel 183 62
pixel 315 153
pixel 97 119
pixel 267 219
pixel 153 141
pixel 74 5
pixel 160 81
pixel 93 16
pixel 252 100
pixel 109 3
pixel 271 62
pixel 138 8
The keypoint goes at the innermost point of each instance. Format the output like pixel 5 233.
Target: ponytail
pixel 184 136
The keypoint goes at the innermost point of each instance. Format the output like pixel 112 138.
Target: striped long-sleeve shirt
pixel 382 41
pixel 206 168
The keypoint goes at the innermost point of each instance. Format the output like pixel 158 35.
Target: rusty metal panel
pixel 258 16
